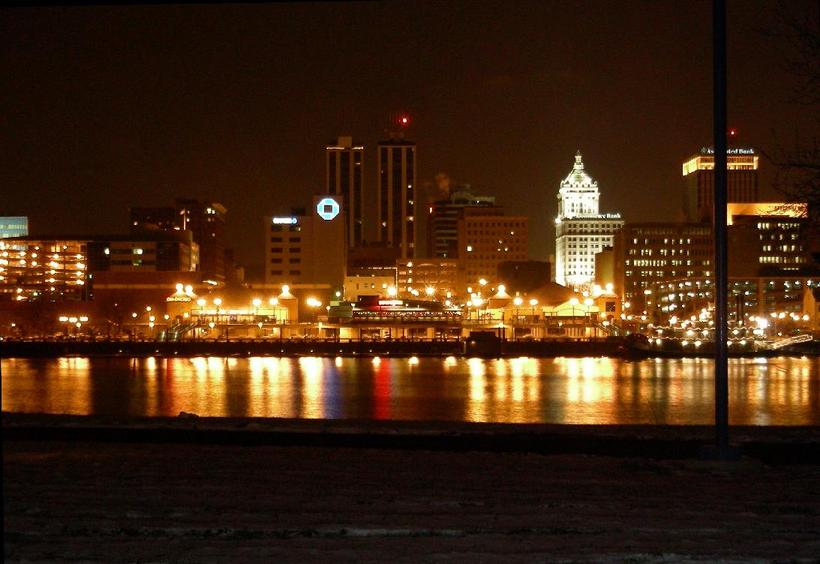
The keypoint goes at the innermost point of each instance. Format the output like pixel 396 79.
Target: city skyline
pixel 132 112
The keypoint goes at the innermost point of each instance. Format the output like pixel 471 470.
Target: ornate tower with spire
pixel 581 231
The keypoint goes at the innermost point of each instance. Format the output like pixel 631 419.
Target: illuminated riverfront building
pixel 13 226
pixel 764 238
pixel 429 278
pixel 580 230
pixel 51 268
pixel 307 246
pixel 67 267
pixel 699 174
pixel 646 253
pixel 344 163
pixel 369 285
pixel 397 195
pixel 487 238
pixel 749 297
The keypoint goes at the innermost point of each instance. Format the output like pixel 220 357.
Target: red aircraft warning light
pixel 404 120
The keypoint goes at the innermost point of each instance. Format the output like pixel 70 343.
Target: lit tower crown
pixel 581 231
pixel 578 195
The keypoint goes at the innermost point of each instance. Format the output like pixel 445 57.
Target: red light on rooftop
pixel 404 120
pixel 732 132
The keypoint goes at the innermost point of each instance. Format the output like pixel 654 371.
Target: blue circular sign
pixel 327 208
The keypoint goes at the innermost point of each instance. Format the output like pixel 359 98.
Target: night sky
pixel 106 107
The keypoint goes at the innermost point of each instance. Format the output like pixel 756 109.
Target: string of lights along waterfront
pixel 775 391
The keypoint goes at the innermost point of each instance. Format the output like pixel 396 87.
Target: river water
pixel 778 391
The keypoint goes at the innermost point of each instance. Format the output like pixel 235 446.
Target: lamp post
pixel 256 303
pixel 517 301
pixel 313 304
pixel 217 303
pixel 533 303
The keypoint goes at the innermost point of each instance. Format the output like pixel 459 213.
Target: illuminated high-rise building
pixel 699 174
pixel 580 230
pixel 344 163
pixel 397 195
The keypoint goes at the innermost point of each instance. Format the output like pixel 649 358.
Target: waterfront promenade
pixel 553 347
pixel 126 497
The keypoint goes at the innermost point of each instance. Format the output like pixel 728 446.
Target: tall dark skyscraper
pixel 699 174
pixel 397 195
pixel 442 225
pixel 344 161
pixel 206 222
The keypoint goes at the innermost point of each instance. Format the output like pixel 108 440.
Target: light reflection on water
pixel 780 391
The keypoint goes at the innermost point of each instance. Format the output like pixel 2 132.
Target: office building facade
pixel 699 176
pixel 344 177
pixel 396 166
pixel 487 238
pixel 205 221
pixel 580 230
pixel 442 223
pixel 647 253
pixel 47 268
pixel 66 267
pixel 308 245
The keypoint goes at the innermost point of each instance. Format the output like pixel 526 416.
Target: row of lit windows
pixel 781 260
pixel 784 248
pixel 783 226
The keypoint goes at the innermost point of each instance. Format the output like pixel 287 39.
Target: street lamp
pixel 517 301
pixel 313 304
pixel 217 303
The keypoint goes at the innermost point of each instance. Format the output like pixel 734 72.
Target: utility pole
pixel 722 450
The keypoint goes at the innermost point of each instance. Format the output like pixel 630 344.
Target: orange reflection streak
pixel 312 389
pixel 381 390
pixel 477 408
pixel 151 388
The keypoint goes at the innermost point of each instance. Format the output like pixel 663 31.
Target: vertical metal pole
pixel 720 230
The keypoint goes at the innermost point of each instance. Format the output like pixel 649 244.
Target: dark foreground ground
pixel 74 497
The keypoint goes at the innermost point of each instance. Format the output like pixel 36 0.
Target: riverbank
pixel 120 496
pixel 613 347
pixel 772 445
